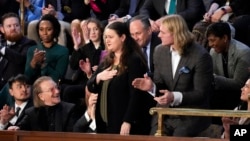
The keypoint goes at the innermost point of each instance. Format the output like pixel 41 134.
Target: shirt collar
pixel 22 105
pixel 9 43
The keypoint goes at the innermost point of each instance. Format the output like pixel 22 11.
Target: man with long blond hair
pixel 182 78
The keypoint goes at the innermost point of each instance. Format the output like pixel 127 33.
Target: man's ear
pixel 123 37
pixel 41 97
pixel 1 28
pixel 11 92
pixel 225 38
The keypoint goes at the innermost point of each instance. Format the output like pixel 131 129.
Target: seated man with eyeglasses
pixel 49 112
pixel 19 89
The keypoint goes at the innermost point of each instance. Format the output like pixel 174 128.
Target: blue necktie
pixel 132 7
pixel 172 7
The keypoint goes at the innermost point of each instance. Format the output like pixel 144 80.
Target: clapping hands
pixel 6 114
pixel 38 58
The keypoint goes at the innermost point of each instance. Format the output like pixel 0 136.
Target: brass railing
pixel 195 112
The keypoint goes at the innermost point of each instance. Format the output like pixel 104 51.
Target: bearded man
pixel 13 48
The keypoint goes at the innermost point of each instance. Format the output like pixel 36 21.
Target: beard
pixel 14 37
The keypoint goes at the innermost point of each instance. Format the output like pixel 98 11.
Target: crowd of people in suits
pixel 125 56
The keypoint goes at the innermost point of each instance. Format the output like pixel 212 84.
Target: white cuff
pixel 152 91
pixel 3 126
pixel 87 116
pixel 177 98
pixel 129 17
pixel 93 125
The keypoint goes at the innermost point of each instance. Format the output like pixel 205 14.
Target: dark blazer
pixel 191 10
pixel 22 114
pixel 125 103
pixel 123 10
pixel 37 119
pixel 193 78
pixel 155 40
pixel 14 59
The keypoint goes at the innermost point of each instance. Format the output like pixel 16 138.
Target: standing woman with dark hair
pixel 48 58
pixel 120 107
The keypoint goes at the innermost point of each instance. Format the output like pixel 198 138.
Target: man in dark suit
pixel 190 10
pixel 13 51
pixel 141 32
pixel 183 78
pixel 20 90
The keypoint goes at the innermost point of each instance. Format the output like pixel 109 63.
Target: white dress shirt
pixel 14 119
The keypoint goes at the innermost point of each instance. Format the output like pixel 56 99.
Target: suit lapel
pixel 219 64
pixel 153 43
pixel 22 114
pixel 230 64
pixel 181 64
pixel 161 3
pixel 17 47
pixel 59 119
pixel 3 64
pixel 168 66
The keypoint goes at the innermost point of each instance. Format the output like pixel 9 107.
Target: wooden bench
pixel 60 136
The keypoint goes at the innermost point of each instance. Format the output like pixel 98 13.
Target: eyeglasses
pixel 52 89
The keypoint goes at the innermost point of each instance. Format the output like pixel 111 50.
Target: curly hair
pixel 55 24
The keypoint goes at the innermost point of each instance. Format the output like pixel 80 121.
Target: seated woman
pixel 245 105
pixel 47 58
pixel 49 112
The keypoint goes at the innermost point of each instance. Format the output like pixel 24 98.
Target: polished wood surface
pixel 59 136
pixel 7 136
